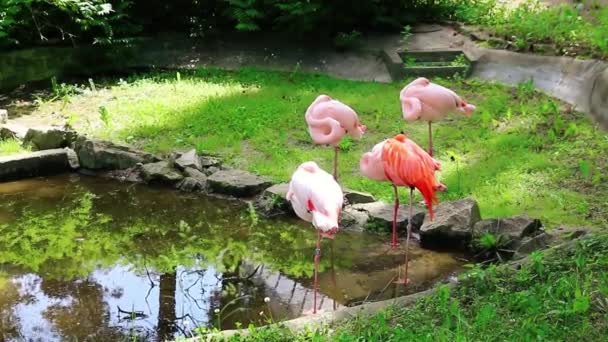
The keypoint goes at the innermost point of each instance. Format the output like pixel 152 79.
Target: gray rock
pixel 357 197
pixel 191 184
pixel 13 131
pixel 34 164
pixel 103 155
pixel 511 229
pixel 207 162
pixel 49 137
pixel 381 217
pixel 452 225
pixel 210 170
pixel 72 158
pixel 532 244
pixel 196 174
pixel 188 159
pixel 353 219
pixel 237 183
pixel 161 172
pixel 3 116
pixel 194 181
pixel 571 233
pixel 273 201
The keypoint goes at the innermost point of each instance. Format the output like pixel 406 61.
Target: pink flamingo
pixel 403 163
pixel 329 120
pixel 430 102
pixel 316 197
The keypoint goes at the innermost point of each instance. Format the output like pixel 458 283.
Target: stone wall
pixel 21 66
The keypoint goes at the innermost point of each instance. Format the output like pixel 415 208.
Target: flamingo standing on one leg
pixel 422 99
pixel 316 197
pixel 329 120
pixel 403 163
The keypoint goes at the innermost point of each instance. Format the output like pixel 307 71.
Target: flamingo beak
pixel 330 234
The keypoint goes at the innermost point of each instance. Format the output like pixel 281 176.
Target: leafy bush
pixel 26 21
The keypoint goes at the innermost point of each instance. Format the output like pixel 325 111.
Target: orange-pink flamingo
pixel 403 163
pixel 422 99
pixel 316 197
pixel 329 120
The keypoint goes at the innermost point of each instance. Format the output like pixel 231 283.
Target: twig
pixel 253 273
pixel 136 314
pixel 42 37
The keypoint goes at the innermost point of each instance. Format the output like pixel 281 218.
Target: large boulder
pixel 532 244
pixel 194 180
pixel 208 161
pixel 103 155
pixel 510 229
pixel 3 116
pixel 13 131
pixel 452 225
pixel 49 137
pixel 188 160
pixel 353 219
pixel 273 201
pixel 237 183
pixel 161 172
pixel 357 197
pixel 34 164
pixel 380 217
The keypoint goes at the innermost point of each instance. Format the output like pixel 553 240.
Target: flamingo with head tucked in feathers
pixel 316 197
pixel 403 163
pixel 424 100
pixel 329 120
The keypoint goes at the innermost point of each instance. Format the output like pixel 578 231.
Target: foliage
pixel 24 21
pixel 347 40
pixel 12 146
pixel 566 26
pixel 560 296
pixel 515 154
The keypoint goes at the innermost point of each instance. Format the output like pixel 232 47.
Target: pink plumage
pixel 316 197
pixel 329 120
pixel 422 99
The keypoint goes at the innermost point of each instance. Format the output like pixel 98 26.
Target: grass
pixel 572 28
pixel 521 152
pixel 561 295
pixel 11 146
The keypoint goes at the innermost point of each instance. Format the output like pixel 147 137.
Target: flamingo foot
pixel 311 312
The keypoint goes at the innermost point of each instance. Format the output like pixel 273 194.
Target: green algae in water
pixel 84 257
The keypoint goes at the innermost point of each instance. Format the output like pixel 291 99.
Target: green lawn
pixel 561 295
pixel 521 152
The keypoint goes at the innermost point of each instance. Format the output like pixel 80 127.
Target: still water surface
pixel 84 258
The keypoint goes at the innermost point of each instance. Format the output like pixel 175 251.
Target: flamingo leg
pixel 336 149
pixel 333 270
pixel 407 239
pixel 316 283
pixel 430 140
pixel 394 243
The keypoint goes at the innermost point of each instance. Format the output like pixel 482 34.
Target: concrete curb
pixel 328 318
pixel 39 163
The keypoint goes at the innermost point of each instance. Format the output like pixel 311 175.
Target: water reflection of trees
pixel 83 234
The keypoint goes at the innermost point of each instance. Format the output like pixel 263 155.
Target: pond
pixel 88 258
